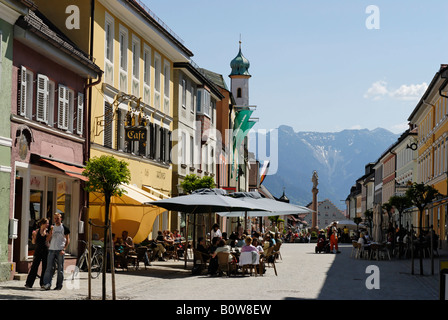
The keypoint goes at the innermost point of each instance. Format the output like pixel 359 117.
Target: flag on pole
pixel 264 170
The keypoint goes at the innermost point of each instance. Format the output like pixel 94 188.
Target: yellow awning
pixel 128 212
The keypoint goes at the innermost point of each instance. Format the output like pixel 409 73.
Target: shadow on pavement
pixel 363 279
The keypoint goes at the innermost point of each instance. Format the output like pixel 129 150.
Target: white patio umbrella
pixel 271 207
pixel 206 201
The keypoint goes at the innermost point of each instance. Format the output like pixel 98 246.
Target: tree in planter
pixel 400 203
pixel 357 220
pixel 105 175
pixel 192 182
pixel 420 196
pixel 369 219
pixel 389 209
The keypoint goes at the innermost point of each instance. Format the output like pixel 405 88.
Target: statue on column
pixel 315 180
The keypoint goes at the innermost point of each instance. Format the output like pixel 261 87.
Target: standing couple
pixel 50 249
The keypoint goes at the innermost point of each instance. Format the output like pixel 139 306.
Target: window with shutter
pixel 121 117
pixel 109 49
pixel 25 93
pixel 69 115
pixel 157 79
pixel 184 94
pixel 51 103
pixel 108 117
pixel 42 98
pixel 156 142
pixel 151 141
pixel 161 145
pixel 80 114
pixel 166 88
pixel 63 107
pixel 123 74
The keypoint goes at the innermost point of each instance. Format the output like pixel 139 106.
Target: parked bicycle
pixel 96 261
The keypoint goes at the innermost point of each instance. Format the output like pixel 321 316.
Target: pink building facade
pixel 49 113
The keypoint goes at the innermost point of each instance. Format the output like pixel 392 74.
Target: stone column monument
pixel 315 180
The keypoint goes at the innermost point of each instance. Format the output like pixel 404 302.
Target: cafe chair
pixel 277 250
pixel 171 252
pixel 249 260
pixel 224 265
pixel 384 250
pixel 270 258
pixel 354 249
pixel 142 256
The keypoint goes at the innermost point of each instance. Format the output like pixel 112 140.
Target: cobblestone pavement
pixel 302 274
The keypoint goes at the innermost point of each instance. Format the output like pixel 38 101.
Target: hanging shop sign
pixel 136 134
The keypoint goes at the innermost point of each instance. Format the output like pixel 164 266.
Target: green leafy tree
pixel 192 182
pixel 369 218
pixel 400 203
pixel 420 195
pixel 388 208
pixel 105 175
pixel 357 220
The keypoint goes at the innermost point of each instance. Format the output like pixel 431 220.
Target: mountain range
pixel 338 157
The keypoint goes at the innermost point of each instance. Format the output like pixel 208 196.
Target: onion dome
pixel 240 65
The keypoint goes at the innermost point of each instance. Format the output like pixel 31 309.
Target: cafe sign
pixel 136 134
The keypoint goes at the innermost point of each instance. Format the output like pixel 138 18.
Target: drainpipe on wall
pixel 88 93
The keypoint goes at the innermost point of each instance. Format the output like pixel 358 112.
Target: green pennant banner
pixel 241 128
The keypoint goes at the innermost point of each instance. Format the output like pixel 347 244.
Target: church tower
pixel 239 79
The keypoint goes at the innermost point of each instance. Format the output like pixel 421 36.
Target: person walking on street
pixel 59 239
pixel 39 238
pixel 334 239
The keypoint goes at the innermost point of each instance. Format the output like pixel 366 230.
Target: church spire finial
pixel 240 64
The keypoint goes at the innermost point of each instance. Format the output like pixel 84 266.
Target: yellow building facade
pixel 131 115
pixel 430 117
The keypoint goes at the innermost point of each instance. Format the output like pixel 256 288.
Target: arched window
pixel 238 93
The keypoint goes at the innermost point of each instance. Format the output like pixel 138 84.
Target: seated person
pixel 213 246
pixel 256 244
pixel 176 236
pixel 221 247
pixel 278 238
pixel 125 245
pixel 232 239
pixel 239 242
pixel 248 247
pixel 202 246
pixel 96 240
pixel 321 235
pixel 168 240
pixel 159 250
pixel 127 241
pixel 363 241
pixel 268 241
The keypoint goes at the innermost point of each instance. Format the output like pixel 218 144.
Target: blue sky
pixel 315 65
